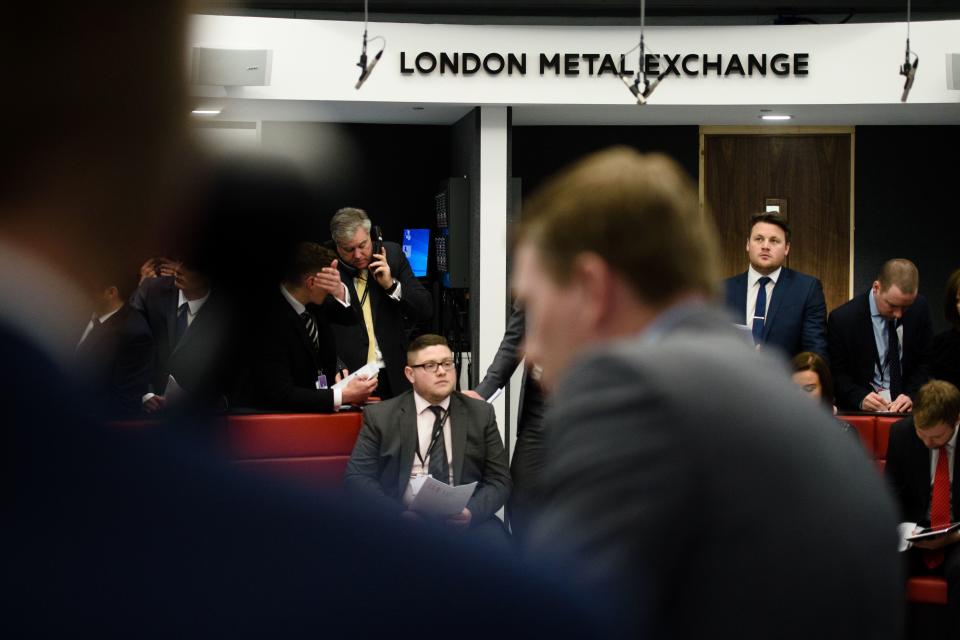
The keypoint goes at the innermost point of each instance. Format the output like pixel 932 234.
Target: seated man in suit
pixel 432 430
pixel 379 288
pixel 682 511
pixel 879 343
pixel 114 356
pixel 784 308
pixel 923 472
pixel 191 335
pixel 297 361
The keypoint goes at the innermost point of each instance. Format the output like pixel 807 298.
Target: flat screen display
pixel 416 246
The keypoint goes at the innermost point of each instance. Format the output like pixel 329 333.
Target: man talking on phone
pixel 379 286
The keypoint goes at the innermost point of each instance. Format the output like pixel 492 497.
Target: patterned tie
pixel 312 332
pixel 181 321
pixel 893 360
pixel 438 466
pixel 940 515
pixel 760 310
pixel 360 282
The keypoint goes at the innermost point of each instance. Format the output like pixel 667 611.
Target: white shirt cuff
pixel 146 397
pixel 396 292
pixel 337 399
pixel 346 296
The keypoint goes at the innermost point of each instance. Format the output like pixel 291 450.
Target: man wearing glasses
pixel 432 431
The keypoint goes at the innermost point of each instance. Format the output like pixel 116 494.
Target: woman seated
pixel 811 373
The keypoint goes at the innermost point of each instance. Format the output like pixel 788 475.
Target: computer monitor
pixel 416 246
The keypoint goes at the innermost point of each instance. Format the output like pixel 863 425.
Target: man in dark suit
pixel 194 356
pixel 114 355
pixel 526 467
pixel 879 343
pixel 431 430
pixel 685 473
pixel 785 309
pixel 379 288
pixel 923 472
pixel 296 365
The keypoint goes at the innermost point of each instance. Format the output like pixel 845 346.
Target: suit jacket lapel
pixel 459 421
pixel 301 330
pixel 172 309
pixel 780 290
pixel 407 424
pixel 868 343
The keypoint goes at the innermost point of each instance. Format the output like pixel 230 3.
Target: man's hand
pixel 903 404
pixel 148 269
pixel 939 542
pixel 329 280
pixel 358 390
pixel 343 373
pixel 473 394
pixel 381 270
pixel 154 404
pixel 873 402
pixel 461 520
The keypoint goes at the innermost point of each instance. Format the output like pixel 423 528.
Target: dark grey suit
pixel 527 465
pixel 379 467
pixel 688 478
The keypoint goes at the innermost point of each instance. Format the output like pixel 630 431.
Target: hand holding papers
pixel 435 498
pixel 368 370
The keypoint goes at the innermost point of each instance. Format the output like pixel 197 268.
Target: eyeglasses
pixel 432 366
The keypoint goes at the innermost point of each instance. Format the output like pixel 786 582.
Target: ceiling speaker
pixel 231 67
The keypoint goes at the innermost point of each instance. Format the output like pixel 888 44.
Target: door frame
pixel 761 130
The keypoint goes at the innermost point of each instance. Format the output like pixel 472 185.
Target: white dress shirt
pixel 425 422
pixel 753 289
pixel 951 448
pixel 193 306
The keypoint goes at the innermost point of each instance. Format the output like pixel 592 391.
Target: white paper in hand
pixel 368 371
pixel 438 499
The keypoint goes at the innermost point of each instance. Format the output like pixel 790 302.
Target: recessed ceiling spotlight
pixel 775 117
pixel 206 112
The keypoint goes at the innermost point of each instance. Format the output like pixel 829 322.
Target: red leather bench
pixel 874 433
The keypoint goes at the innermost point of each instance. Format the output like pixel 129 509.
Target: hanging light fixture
pixel 909 69
pixel 641 87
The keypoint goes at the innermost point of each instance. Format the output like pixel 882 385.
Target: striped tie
pixel 311 325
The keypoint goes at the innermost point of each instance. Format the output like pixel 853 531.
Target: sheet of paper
pixel 439 499
pixel 368 370
pixel 496 394
pixel 905 529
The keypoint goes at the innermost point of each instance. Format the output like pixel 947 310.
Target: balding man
pixel 878 343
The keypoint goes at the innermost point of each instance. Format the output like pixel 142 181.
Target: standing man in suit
pixel 432 430
pixel 879 343
pixel 526 468
pixel 682 511
pixel 297 361
pixel 784 308
pixel 379 287
pixel 923 472
pixel 114 356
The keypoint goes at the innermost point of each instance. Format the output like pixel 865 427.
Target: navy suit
pixel 853 349
pixel 796 316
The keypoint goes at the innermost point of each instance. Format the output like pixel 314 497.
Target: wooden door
pixel 807 173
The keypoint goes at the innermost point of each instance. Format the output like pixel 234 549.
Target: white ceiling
pixel 246 110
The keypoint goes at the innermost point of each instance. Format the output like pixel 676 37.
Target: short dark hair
pixel 308 258
pixel 810 361
pixel 424 341
pixel 900 272
pixel 771 217
pixel 937 401
pixel 950 299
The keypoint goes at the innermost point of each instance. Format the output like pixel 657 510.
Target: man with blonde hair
pixel 684 473
pixel 878 343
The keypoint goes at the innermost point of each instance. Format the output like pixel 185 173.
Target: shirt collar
pixel 953 440
pixel 753 275
pixel 298 306
pixel 422 404
pixel 874 312
pixel 193 304
pixel 106 317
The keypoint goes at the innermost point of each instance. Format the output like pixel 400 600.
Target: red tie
pixel 939 503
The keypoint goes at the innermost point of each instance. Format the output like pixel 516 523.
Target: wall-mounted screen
pixel 416 246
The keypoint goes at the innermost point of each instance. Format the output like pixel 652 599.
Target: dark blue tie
pixel 760 311
pixel 437 466
pixel 181 321
pixel 893 360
